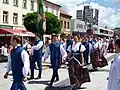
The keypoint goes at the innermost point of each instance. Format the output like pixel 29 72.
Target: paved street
pixel 98 80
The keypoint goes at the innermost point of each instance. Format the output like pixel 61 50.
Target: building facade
pixel 12 12
pixel 78 26
pixel 65 22
pixel 89 15
pixel 102 31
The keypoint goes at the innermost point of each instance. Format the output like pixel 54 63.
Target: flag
pixel 41 17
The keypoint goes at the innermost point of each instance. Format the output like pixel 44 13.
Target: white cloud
pixel 107 16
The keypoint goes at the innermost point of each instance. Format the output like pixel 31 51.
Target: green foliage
pixel 52 23
pixel 30 22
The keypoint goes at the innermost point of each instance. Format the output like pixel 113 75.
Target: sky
pixel 109 10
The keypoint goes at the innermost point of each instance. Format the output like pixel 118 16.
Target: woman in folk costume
pixel 114 74
pixel 98 60
pixel 77 73
pixel 104 47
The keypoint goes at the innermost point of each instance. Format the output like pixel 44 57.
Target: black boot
pixel 32 75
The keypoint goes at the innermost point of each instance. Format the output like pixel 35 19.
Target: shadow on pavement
pixel 99 70
pixel 64 88
pixel 39 82
pixel 59 88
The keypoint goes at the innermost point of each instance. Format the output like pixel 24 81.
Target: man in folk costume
pixel 55 50
pixel 114 74
pixel 18 62
pixel 78 75
pixel 86 53
pixel 36 56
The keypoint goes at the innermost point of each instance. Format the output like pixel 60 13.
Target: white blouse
pixel 75 47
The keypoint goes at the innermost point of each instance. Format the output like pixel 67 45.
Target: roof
pixel 53 3
pixel 65 13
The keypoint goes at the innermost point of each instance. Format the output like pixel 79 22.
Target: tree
pixel 30 22
pixel 52 23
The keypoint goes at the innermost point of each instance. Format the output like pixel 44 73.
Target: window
pixel 6 1
pixel 68 25
pixel 15 18
pixel 64 24
pixel 32 5
pixel 61 24
pixel 56 12
pixel 46 9
pixel 53 11
pixel 24 4
pixel 80 26
pixel 84 26
pixel 5 17
pixel 23 16
pixel 15 2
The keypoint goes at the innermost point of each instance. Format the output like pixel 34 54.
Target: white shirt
pixel 2 50
pixel 25 59
pixel 37 47
pixel 114 74
pixel 75 47
pixel 62 50
pixel 5 52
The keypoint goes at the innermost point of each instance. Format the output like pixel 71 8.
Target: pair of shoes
pixel 50 85
pixel 31 78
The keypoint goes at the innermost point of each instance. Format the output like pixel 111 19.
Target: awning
pixel 10 32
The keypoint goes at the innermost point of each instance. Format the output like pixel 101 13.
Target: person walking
pixel 36 56
pixel 55 50
pixel 114 74
pixel 18 62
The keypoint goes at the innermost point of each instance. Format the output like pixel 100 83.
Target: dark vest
pixel 86 44
pixel 17 64
pixel 55 54
pixel 37 53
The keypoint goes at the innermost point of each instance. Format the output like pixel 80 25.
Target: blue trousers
pixel 39 63
pixel 55 75
pixel 17 86
pixel 86 57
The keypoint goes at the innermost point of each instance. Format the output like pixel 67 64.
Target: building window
pixel 46 9
pixel 24 4
pixel 6 1
pixel 68 25
pixel 15 18
pixel 56 12
pixel 5 17
pixel 61 24
pixel 32 5
pixel 80 26
pixel 15 3
pixel 53 11
pixel 23 16
pixel 64 24
pixel 84 26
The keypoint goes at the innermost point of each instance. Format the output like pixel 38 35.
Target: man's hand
pixel 25 79
pixel 6 75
